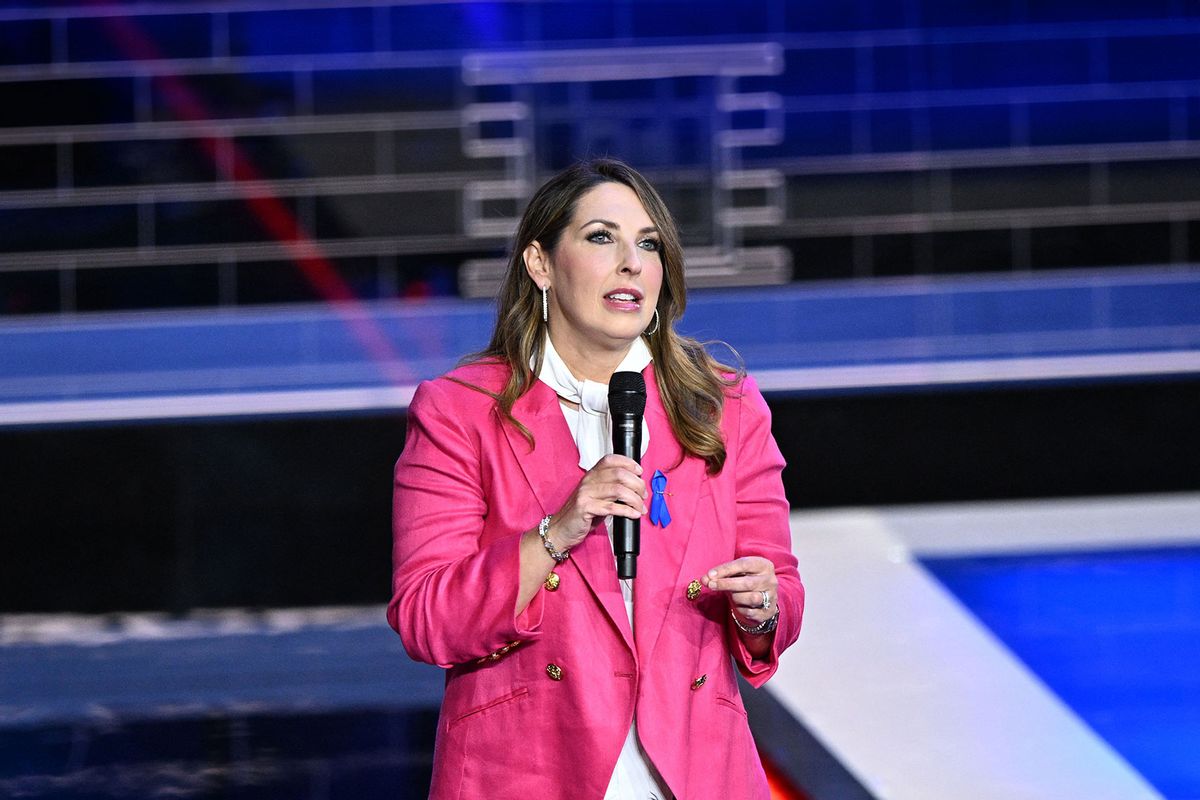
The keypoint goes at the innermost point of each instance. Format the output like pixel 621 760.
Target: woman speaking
pixel 563 678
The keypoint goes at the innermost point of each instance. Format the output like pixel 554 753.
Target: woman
pixel 562 679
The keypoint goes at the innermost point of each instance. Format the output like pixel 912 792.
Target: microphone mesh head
pixel 627 393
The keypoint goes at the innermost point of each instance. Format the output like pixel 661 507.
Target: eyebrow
pixel 611 224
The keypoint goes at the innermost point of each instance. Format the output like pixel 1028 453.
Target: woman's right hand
pixel 614 486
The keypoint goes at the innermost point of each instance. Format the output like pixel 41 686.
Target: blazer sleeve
pixel 453 595
pixel 763 528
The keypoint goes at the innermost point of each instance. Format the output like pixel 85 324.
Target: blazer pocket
pixel 729 702
pixel 491 705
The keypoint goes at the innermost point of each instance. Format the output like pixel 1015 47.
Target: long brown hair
pixel 691 383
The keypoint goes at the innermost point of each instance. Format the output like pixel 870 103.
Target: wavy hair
pixel 691 383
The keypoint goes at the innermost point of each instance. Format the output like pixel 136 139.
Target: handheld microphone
pixel 627 405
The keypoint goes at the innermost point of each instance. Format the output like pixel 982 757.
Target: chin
pixel 630 332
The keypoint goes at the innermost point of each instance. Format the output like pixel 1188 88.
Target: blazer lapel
pixel 552 471
pixel 663 558
pixel 542 464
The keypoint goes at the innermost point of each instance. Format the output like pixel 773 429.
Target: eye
pixel 600 237
pixel 653 245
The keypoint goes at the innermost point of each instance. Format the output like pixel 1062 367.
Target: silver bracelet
pixel 764 627
pixel 559 556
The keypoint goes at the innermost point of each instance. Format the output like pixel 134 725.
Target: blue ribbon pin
pixel 659 515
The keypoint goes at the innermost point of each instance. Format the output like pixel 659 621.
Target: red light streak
pixel 272 214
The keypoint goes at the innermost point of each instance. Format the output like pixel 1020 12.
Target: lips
pixel 624 296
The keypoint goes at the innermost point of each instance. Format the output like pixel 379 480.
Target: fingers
pixel 614 460
pixel 741 575
pixel 613 499
pixel 614 469
pixel 619 490
pixel 745 579
pixel 619 479
pixel 613 487
pixel 748 600
pixel 741 583
pixel 623 491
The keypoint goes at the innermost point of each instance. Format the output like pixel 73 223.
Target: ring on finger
pixel 766 600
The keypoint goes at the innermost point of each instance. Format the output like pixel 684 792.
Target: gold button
pixel 696 684
pixel 693 590
pixel 551 582
pixel 554 671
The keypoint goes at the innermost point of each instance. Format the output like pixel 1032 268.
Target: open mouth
pixel 624 300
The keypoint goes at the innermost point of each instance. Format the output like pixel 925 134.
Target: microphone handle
pixel 627 441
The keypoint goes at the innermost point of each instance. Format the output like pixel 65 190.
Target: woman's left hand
pixel 745 579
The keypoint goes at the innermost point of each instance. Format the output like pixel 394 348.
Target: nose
pixel 631 259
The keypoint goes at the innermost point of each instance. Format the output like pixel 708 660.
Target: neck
pixel 590 363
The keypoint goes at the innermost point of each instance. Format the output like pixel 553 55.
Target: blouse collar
pixel 592 431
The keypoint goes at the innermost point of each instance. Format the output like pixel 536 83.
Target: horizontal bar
pixel 224 190
pixel 250 126
pixel 789 381
pixel 621 63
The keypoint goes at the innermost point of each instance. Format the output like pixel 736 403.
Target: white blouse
pixel 634 777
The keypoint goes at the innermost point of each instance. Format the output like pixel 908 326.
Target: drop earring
pixel 546 305
pixel 654 330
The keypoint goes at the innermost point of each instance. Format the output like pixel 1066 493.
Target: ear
pixel 537 264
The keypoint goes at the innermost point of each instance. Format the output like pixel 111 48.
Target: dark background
pixel 295 512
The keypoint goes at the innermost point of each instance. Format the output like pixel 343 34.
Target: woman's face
pixel 604 275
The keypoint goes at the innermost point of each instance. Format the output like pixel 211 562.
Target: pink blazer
pixel 538 705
